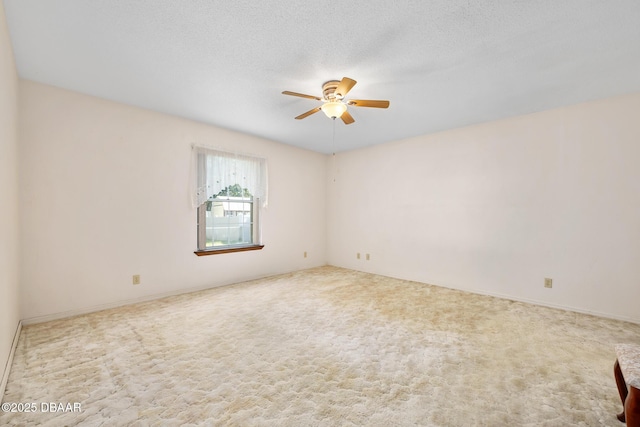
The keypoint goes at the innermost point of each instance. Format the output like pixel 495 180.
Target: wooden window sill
pixel 227 250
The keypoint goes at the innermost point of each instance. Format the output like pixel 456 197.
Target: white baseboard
pixel 604 315
pixel 115 304
pixel 147 298
pixel 107 306
pixel 7 368
pixel 559 307
pixel 546 304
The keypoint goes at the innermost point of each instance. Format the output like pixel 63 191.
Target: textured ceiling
pixel 442 63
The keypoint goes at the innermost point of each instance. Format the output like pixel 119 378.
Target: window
pixel 230 190
pixel 228 219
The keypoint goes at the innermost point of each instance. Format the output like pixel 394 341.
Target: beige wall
pixel 9 315
pixel 493 208
pixel 496 208
pixel 104 196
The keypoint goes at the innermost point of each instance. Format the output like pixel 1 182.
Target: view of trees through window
pixel 229 217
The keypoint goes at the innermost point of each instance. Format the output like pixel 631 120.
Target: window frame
pixel 256 204
pixel 224 249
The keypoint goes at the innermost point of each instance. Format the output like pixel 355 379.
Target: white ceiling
pixel 442 63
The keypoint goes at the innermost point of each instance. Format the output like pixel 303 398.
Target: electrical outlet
pixel 358 255
pixel 136 279
pixel 548 283
pixel 368 257
pixel 305 254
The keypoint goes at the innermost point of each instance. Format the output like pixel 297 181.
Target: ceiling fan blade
pixel 308 113
pixel 368 103
pixel 344 87
pixel 301 95
pixel 346 118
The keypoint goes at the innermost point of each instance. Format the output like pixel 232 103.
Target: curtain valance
pixel 215 170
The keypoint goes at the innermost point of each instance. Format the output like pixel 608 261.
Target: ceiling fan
pixel 334 105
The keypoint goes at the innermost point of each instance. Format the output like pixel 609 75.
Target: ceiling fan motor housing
pixel 329 90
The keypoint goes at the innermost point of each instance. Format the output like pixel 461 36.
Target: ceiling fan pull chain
pixel 333 149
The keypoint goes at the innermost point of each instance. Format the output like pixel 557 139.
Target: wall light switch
pixel 136 279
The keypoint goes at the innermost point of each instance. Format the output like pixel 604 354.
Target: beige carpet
pixel 322 347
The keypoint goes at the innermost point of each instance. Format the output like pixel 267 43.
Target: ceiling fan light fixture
pixel 334 109
pixel 334 105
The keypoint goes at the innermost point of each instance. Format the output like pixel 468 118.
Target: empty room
pixel 296 213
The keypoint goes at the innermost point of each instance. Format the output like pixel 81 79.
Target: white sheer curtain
pixel 212 171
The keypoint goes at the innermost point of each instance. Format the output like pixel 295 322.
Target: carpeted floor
pixel 321 347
